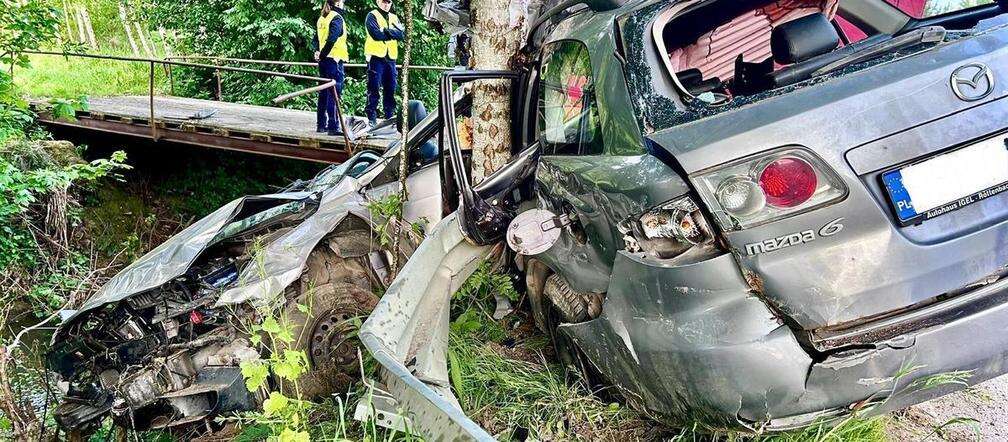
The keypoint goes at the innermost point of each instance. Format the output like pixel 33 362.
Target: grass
pixel 73 77
pixel 523 397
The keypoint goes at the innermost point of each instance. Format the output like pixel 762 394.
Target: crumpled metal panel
pixel 174 256
pixel 692 342
pixel 410 326
pixel 280 262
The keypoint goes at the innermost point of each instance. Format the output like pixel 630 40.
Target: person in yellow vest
pixel 331 52
pixel 381 48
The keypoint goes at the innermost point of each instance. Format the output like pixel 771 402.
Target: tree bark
pixel 498 28
pixel 129 33
pixel 81 34
pixel 87 27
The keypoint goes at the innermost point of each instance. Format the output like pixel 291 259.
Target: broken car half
pixel 744 214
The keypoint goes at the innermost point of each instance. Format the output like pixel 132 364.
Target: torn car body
pixel 753 208
pixel 159 346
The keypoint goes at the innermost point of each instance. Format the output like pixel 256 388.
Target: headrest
pixel 803 38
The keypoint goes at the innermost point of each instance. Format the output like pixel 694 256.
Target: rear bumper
pixel 696 344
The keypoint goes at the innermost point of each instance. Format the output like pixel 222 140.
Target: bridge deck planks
pixel 262 123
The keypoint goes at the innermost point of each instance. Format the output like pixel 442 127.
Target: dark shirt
pixel 335 30
pixel 390 33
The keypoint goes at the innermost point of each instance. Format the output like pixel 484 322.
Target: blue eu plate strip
pixel 898 194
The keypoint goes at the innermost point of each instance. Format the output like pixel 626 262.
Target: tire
pixel 337 292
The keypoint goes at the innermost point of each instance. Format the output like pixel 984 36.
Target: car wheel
pixel 325 309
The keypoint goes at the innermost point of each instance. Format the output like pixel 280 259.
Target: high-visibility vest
pixel 339 50
pixel 378 48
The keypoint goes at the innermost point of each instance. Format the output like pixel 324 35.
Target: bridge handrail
pixel 323 82
pixel 292 63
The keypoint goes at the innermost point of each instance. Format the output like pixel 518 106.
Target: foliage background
pixel 271 30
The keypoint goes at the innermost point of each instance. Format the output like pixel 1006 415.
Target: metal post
pixel 171 80
pixel 217 74
pixel 342 121
pixel 150 90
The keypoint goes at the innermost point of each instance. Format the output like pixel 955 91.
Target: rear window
pixel 931 8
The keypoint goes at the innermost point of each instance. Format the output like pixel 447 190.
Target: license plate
pixel 948 182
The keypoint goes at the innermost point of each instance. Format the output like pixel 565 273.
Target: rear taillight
pixel 767 187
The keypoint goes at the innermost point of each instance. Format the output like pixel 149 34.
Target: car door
pixel 486 208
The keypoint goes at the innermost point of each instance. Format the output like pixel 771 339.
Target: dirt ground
pixel 987 403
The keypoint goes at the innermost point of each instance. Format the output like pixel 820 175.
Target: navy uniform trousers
pixel 381 74
pixel 326 113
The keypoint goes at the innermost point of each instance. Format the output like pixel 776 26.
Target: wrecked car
pixel 744 214
pixel 159 346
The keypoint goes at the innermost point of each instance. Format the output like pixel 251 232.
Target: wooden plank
pixel 262 123
pixel 202 139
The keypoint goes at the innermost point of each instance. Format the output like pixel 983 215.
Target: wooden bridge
pixel 264 130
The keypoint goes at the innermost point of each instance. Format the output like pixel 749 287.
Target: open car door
pixel 407 332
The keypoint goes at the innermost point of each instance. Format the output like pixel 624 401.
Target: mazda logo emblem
pixel 972 82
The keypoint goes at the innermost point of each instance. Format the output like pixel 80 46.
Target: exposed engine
pixel 162 358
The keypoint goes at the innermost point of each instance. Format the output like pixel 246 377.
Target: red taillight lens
pixel 788 182
pixel 768 186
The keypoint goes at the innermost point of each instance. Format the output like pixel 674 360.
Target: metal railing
pixel 219 61
pixel 170 62
pixel 420 67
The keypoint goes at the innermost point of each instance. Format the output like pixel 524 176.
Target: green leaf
pixel 255 373
pixel 289 435
pixel 291 366
pixel 271 326
pixel 275 403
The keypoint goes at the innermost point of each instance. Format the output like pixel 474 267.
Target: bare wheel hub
pixel 332 341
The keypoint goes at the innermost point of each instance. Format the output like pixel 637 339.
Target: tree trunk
pixel 81 34
pixel 86 17
pixel 68 22
pixel 143 40
pixel 129 33
pixel 498 32
pixel 166 46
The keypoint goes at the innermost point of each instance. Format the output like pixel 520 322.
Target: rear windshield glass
pixel 931 8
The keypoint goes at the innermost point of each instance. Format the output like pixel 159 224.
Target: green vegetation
pixel 73 220
pixel 73 77
pixel 259 29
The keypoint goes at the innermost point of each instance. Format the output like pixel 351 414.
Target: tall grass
pixel 73 77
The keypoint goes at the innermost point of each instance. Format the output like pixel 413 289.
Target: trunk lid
pixel 862 124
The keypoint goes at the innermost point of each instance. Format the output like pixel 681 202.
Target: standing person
pixel 381 48
pixel 330 52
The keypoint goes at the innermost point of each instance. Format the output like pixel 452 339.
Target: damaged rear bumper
pixel 695 344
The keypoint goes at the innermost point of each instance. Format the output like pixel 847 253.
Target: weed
pixel 384 213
